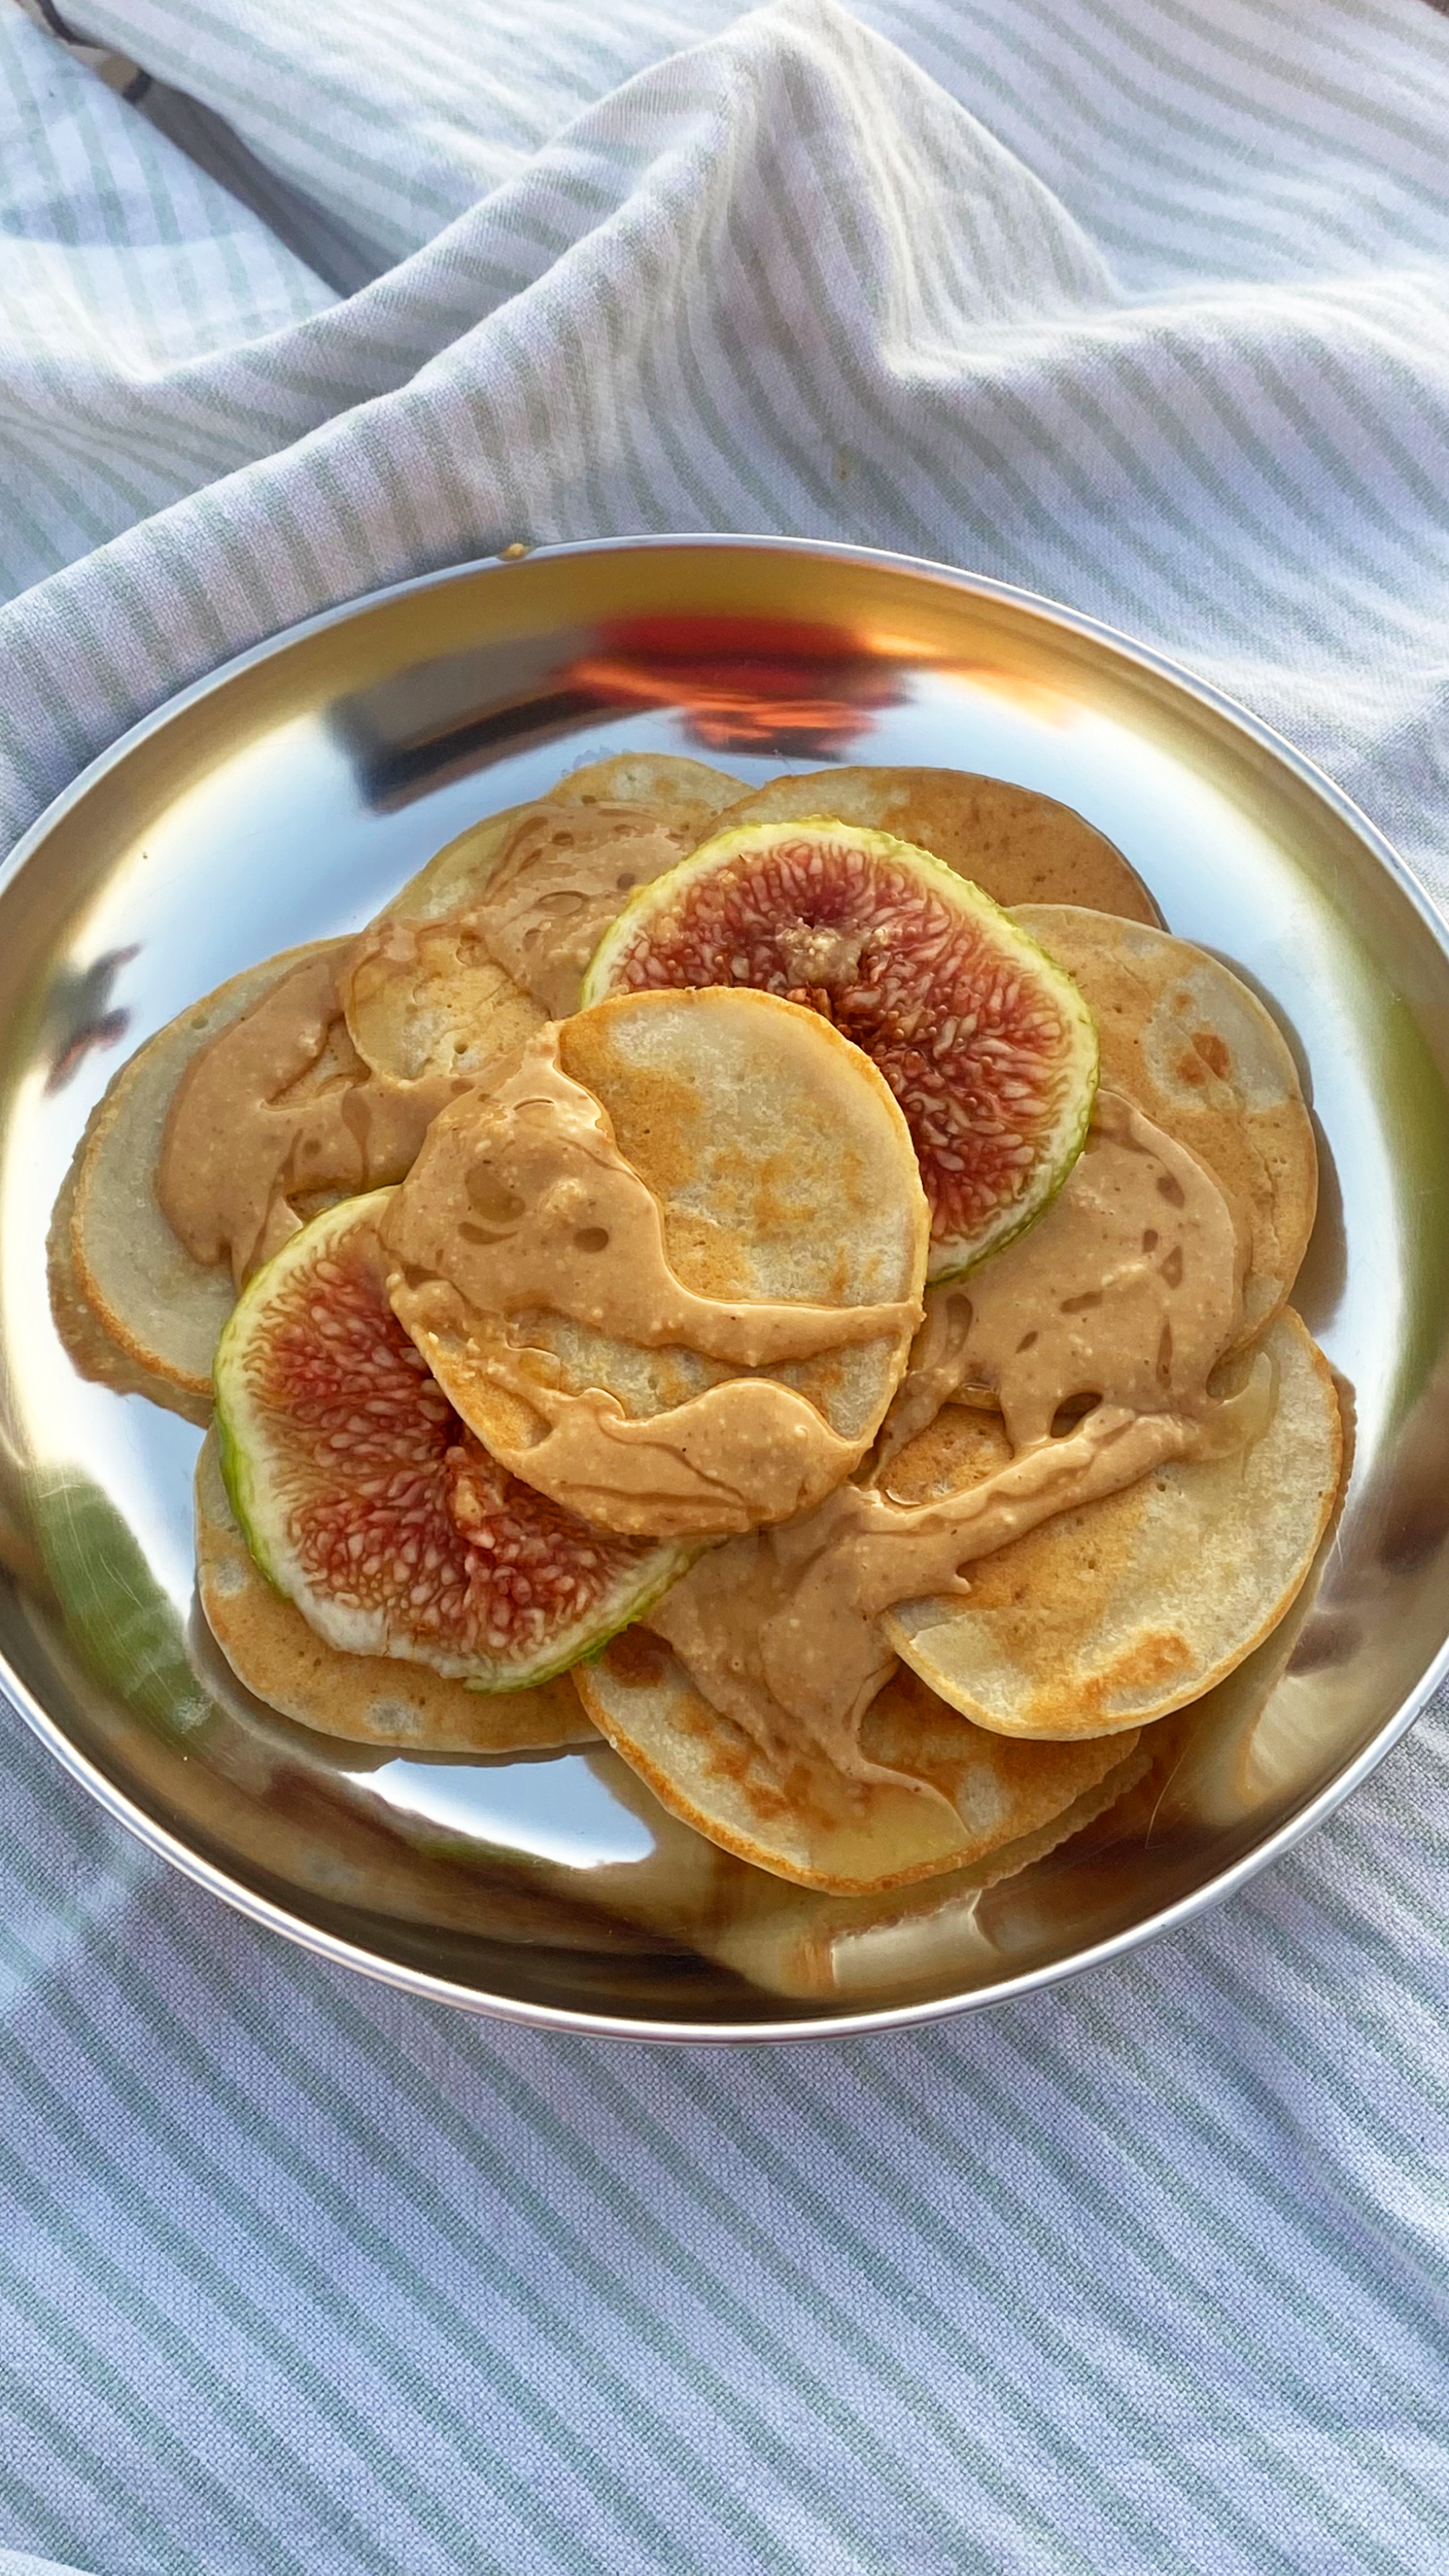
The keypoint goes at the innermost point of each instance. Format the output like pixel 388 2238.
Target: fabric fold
pixel 1140 304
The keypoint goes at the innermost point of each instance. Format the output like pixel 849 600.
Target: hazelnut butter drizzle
pixel 564 877
pixel 517 1199
pixel 1128 1291
pixel 522 1202
pixel 238 1147
pixel 241 1142
pixel 1130 1280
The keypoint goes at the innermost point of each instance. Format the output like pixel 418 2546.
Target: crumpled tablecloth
pixel 1141 303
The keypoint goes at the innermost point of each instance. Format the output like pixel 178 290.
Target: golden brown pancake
pixel 805 1943
pixel 688 791
pixel 1017 845
pixel 1135 1604
pixel 503 919
pixel 1183 1037
pixel 798 1817
pixel 681 795
pixel 132 1307
pixel 784 1172
pixel 93 1351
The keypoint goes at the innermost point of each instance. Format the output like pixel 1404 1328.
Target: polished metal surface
pixel 284 800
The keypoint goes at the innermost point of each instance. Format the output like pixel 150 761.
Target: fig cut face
pixel 985 1042
pixel 365 1500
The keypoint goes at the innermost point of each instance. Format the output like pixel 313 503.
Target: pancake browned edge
pixel 1133 1605
pixel 793 1814
pixel 369 1699
pixel 1016 844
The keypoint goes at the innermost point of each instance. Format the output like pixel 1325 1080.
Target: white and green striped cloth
pixel 1141 303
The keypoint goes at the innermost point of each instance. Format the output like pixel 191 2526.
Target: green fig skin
pixel 717 902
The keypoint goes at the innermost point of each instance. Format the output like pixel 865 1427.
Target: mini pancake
pixel 507 923
pixel 1017 845
pixel 688 791
pixel 1133 1605
pixel 89 1346
pixel 369 1699
pixel 803 1941
pixel 681 796
pixel 132 1308
pixel 812 1946
pixel 797 1817
pixel 1184 1039
pixel 784 1172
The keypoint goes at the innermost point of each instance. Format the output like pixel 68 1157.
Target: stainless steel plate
pixel 283 800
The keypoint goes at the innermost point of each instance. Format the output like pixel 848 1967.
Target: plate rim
pixel 336 1948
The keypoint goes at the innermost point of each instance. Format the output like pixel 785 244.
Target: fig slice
pixel 366 1502
pixel 366 1699
pixel 984 1041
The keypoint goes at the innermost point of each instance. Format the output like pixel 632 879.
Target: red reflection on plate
pixel 745 683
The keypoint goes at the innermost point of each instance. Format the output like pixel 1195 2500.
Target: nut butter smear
pixel 1127 1290
pixel 517 1199
pixel 1129 1283
pixel 238 1148
pixel 565 876
pixel 241 1143
pixel 521 1201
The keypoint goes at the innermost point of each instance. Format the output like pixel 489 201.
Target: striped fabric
pixel 1145 304
pixel 15 2562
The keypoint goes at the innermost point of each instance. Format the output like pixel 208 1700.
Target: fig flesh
pixel 367 1502
pixel 985 1042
